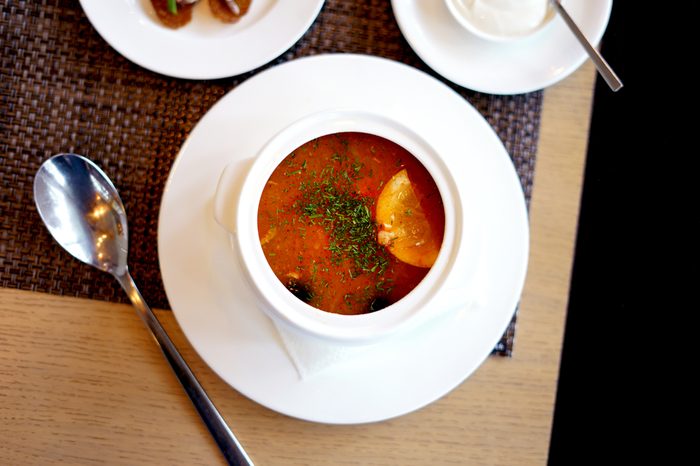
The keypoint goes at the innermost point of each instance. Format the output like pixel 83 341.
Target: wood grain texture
pixel 81 382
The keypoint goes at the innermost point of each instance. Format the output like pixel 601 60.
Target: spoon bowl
pixel 84 213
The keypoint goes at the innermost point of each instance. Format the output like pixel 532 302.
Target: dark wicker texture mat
pixel 63 89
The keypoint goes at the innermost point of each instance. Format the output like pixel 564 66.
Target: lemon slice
pixel 403 226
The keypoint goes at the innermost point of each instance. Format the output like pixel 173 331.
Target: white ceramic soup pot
pixel 236 208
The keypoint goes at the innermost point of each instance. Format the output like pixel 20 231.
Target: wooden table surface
pixel 81 382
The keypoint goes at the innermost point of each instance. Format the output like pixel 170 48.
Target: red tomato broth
pixel 306 214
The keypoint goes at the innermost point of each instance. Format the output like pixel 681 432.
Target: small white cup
pixel 484 23
pixel 236 207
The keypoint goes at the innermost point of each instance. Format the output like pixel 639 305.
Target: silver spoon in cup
pixel 84 213
pixel 601 65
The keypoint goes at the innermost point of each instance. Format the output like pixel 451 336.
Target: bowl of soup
pixel 347 225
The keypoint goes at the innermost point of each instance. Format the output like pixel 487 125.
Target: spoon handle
pixel 601 65
pixel 227 441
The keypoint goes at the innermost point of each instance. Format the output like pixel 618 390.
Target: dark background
pixel 594 390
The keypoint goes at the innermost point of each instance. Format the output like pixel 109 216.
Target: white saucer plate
pixel 216 308
pixel 517 67
pixel 206 48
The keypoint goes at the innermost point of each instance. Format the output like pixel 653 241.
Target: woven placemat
pixel 63 89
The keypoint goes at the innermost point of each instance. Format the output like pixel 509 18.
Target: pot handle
pixel 228 190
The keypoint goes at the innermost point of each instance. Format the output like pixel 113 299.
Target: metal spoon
pixel 601 65
pixel 83 211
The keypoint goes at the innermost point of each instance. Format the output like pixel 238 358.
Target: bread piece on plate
pixel 222 10
pixel 173 21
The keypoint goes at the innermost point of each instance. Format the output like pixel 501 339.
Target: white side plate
pixel 206 48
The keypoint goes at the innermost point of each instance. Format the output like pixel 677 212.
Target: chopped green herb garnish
pixel 172 6
pixel 347 217
pixel 356 167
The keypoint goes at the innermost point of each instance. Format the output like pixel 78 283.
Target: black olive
pixel 300 290
pixel 378 303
